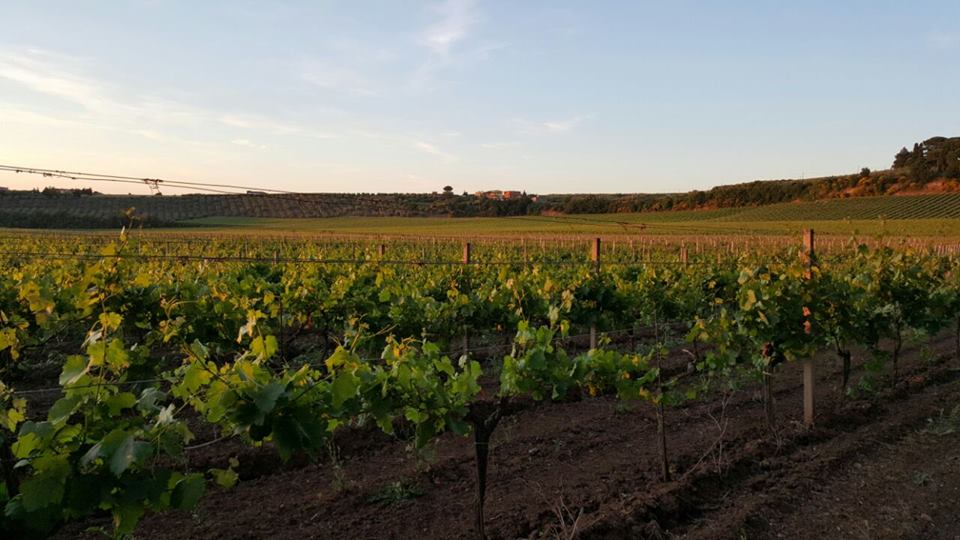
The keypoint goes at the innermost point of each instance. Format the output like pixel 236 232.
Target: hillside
pixel 38 211
pixel 925 173
pixel 937 206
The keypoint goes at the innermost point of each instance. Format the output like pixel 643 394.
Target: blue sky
pixel 543 96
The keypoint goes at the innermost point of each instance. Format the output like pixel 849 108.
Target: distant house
pixel 255 192
pixel 498 195
pixel 4 188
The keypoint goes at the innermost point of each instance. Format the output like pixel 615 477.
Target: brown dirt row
pixel 595 458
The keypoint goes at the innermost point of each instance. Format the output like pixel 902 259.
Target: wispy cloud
pixel 101 106
pixel 499 145
pixel 259 123
pixel 248 143
pixel 348 65
pixel 64 78
pixel 561 126
pixel 42 72
pixel 251 122
pixel 22 116
pixel 456 19
pixel 151 134
pixel 547 127
pixel 429 148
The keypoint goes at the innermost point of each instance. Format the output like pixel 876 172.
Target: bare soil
pixel 883 466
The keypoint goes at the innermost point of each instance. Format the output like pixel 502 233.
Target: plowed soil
pixel 882 466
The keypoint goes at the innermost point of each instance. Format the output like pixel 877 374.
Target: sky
pixel 545 96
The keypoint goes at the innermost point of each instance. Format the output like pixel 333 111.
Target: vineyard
pixel 942 206
pixel 391 387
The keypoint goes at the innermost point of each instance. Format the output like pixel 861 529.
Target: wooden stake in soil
pixel 956 353
pixel 809 378
pixel 595 257
pixel 283 352
pixel 595 254
pixel 661 421
pixel 466 332
pixel 484 422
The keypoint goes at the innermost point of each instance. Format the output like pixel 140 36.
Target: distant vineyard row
pixel 67 210
pixel 941 206
pixel 103 211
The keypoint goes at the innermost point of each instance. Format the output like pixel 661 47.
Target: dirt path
pixel 894 476
pixel 904 488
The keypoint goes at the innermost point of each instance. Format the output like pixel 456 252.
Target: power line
pixel 219 189
pixel 136 179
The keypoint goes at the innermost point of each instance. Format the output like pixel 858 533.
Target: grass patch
pixel 946 423
pixel 394 493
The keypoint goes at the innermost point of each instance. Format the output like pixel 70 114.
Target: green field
pixel 631 224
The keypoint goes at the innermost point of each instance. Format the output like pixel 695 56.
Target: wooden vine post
pixel 283 347
pixel 595 258
pixel 809 380
pixel 466 331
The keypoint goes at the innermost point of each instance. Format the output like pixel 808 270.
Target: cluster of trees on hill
pixel 473 206
pixel 749 194
pixel 51 191
pixel 936 157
